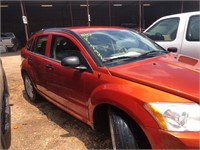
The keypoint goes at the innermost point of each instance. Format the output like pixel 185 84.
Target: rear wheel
pixel 14 49
pixel 29 88
pixel 122 133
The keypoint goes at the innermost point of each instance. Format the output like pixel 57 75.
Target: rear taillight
pixel 14 41
pixel 23 53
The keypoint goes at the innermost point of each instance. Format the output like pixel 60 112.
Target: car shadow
pixel 10 53
pixel 74 127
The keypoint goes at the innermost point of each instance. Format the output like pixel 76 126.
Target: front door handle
pixel 49 66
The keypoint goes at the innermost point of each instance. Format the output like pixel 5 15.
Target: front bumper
pixel 161 139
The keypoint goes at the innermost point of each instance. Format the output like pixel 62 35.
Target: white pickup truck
pixel 8 42
pixel 3 48
pixel 179 32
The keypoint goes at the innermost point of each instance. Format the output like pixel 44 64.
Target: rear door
pixel 191 41
pixel 36 60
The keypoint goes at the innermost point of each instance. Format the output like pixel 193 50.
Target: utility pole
pixel 182 6
pixel 25 21
pixel 71 15
pixel 88 13
pixel 140 15
pixel 109 14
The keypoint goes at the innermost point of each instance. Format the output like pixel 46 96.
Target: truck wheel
pixel 122 134
pixel 14 48
pixel 29 88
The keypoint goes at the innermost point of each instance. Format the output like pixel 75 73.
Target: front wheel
pixel 122 133
pixel 29 88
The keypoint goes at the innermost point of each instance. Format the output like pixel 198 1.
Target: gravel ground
pixel 42 125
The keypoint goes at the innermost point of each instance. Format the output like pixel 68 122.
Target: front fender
pixel 130 99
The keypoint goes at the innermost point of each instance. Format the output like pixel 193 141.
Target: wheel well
pixel 23 72
pixel 101 124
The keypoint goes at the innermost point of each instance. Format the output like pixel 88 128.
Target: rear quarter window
pixel 193 29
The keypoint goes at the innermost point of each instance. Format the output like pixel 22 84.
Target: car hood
pixel 173 73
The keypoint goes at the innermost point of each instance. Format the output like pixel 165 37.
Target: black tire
pixel 32 94
pixel 14 48
pixel 121 131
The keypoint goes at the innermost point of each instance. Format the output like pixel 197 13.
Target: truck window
pixel 164 30
pixel 193 30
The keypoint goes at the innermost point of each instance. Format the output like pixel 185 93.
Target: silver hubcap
pixel 29 87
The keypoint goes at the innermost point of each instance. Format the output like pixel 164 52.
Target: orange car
pixel 117 79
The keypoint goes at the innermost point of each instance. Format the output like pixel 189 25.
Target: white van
pixel 179 32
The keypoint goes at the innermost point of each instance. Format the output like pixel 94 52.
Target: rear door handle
pixel 29 58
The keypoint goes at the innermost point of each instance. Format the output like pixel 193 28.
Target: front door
pixel 67 86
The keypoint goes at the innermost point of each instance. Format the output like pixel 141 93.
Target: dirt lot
pixel 44 126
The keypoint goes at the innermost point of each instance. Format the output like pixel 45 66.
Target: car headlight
pixel 176 116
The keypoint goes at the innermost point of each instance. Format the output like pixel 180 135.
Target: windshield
pixel 118 45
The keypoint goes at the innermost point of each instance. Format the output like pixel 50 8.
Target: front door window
pixel 164 30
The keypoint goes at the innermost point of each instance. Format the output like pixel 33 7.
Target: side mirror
pixel 172 49
pixel 72 62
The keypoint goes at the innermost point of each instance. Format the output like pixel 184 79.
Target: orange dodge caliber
pixel 117 79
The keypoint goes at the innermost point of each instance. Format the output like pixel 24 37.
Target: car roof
pixel 80 29
pixel 92 28
pixel 182 14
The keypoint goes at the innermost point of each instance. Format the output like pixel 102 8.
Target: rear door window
pixel 40 45
pixel 193 30
pixel 164 30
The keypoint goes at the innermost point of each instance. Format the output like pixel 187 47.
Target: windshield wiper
pixel 128 57
pixel 123 56
pixel 153 53
pixel 116 58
